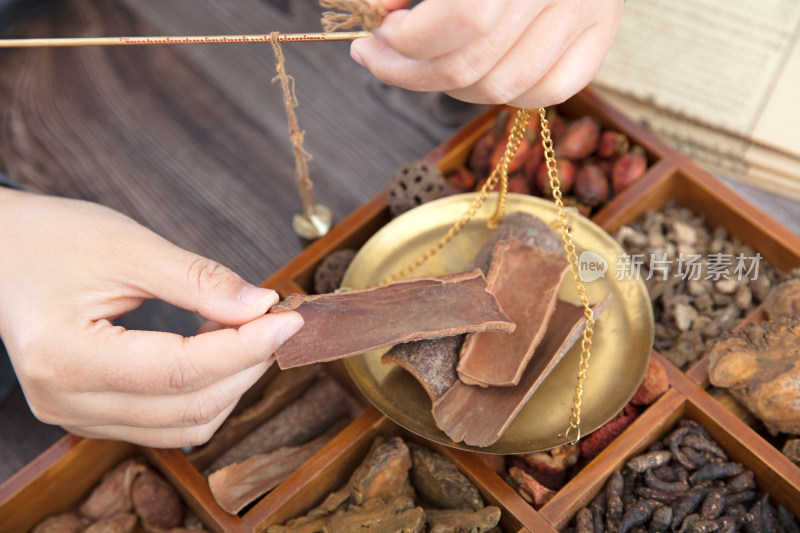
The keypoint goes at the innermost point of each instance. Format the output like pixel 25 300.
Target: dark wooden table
pixel 191 140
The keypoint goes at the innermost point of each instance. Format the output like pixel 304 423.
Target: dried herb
pixel 349 323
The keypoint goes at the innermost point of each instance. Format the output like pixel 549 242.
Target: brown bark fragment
pixel 479 416
pixel 760 365
pixel 431 361
pixel 237 485
pixel 397 516
pixel 282 389
pixel 349 323
pixel 383 474
pixel 307 417
pixel 525 281
pixel 458 521
pixel 440 483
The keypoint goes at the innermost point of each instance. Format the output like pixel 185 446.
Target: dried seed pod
pixel 703 526
pixel 744 481
pixel 662 496
pixel 414 184
pixel 688 523
pixel 687 504
pixel 155 501
pixel 637 514
pixel 614 506
pixel 673 441
pixel 738 498
pixel 704 445
pixel 713 505
pixel 787 520
pixel 662 519
pixel 648 461
pixel 654 482
pixel 330 272
pixel 584 522
pixel 716 471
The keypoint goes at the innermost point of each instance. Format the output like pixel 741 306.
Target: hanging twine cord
pixel 301 156
pixel 351 14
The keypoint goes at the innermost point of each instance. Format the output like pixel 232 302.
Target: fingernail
pixel 356 56
pixel 257 296
pixel 289 329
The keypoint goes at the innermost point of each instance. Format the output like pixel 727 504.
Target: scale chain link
pixel 572 257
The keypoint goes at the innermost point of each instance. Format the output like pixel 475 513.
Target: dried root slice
pixel 60 523
pixel 432 362
pixel 375 516
pixel 525 281
pixel 479 416
pixel 448 521
pixel 440 483
pixel 355 322
pixel 113 495
pixel 118 523
pixel 383 474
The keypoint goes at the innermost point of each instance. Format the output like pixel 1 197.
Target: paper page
pixel 715 61
pixel 779 124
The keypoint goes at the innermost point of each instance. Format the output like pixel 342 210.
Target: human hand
pixel 67 268
pixel 526 53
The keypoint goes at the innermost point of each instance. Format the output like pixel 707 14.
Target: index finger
pixel 436 27
pixel 165 363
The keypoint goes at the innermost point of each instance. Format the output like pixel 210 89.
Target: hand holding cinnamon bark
pixel 68 268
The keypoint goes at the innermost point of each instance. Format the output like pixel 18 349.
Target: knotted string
pixel 301 156
pixel 351 13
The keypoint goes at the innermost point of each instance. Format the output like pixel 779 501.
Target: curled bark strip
pixel 349 323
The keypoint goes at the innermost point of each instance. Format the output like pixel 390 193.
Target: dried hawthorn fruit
pixel 654 384
pixel 612 144
pixel 628 169
pixel 579 139
pixel 591 185
pixel 566 177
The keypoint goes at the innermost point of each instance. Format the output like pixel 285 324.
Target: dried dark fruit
pixel 462 179
pixel 330 272
pixel 566 177
pixel 591 185
pixel 579 139
pixel 612 144
pixel 628 169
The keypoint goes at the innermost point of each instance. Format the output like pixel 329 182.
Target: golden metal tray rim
pixel 397 394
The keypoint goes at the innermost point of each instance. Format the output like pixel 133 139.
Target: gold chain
pixel 569 248
pixel 500 174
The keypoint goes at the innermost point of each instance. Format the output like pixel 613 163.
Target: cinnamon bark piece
pixel 349 323
pixel 307 417
pixel 525 281
pixel 479 416
pixel 431 361
pixel 237 485
pixel 285 387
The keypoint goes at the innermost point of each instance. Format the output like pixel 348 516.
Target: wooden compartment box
pixel 62 475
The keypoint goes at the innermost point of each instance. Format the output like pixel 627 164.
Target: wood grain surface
pixel 192 141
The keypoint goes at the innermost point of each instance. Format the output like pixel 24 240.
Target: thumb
pixel 198 284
